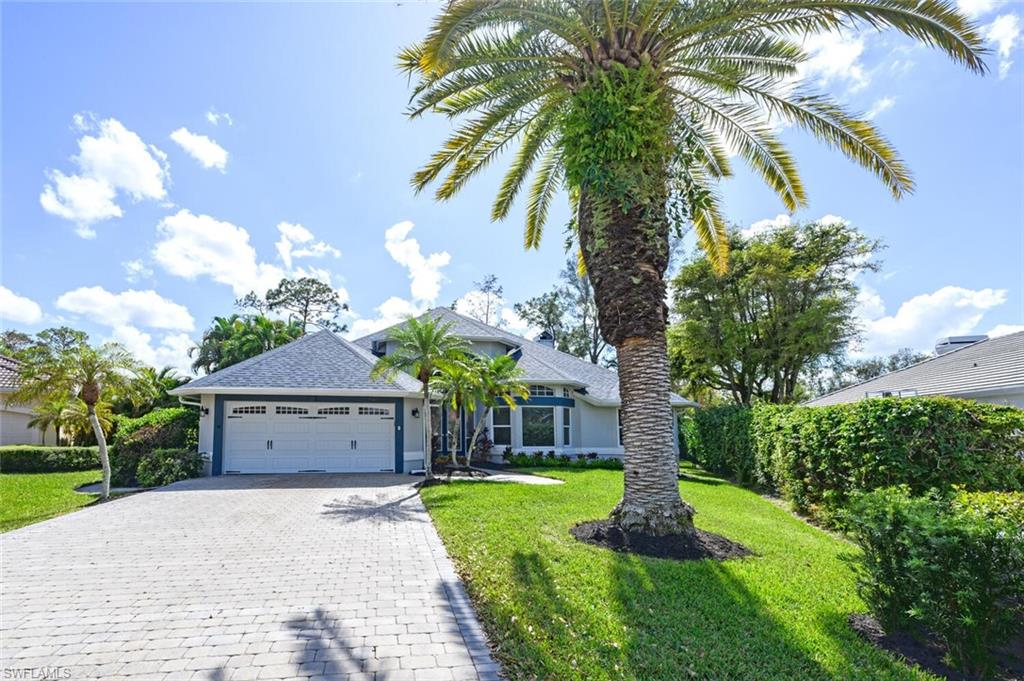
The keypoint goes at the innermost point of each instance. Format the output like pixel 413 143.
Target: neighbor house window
pixel 538 427
pixel 541 391
pixel 566 426
pixel 501 426
pixel 619 413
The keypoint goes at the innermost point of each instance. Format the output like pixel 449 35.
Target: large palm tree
pixel 87 373
pixel 421 346
pixel 631 106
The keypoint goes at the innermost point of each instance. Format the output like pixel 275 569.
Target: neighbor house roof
pixel 540 363
pixel 988 367
pixel 317 363
pixel 10 374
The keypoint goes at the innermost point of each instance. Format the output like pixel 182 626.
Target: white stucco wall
pixel 14 428
pixel 412 440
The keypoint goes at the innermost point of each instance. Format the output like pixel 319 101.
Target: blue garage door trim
pixel 218 420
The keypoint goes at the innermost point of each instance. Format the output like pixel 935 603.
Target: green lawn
pixel 560 609
pixel 27 498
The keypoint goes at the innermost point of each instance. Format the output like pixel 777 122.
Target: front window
pixel 501 426
pixel 538 427
pixel 541 391
pixel 566 392
pixel 619 412
pixel 566 426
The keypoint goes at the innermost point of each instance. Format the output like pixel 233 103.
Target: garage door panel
pixel 340 437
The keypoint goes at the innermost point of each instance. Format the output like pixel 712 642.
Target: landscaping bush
pixel 31 459
pixel 951 565
pixel 538 459
pixel 172 428
pixel 718 439
pixel 164 466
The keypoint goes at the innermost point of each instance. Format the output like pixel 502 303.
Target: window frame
pixel 503 426
pixel 618 413
pixel 522 427
pixel 536 390
pixel 567 426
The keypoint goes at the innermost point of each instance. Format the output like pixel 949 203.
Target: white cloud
pixel 293 235
pixel 135 270
pixel 1004 32
pixel 975 8
pixel 880 105
pixel 834 57
pixel 511 321
pixel 201 148
pixel 215 117
pixel 921 320
pixel 767 225
pixel 114 159
pixel 1004 330
pixel 172 350
pixel 15 308
pixel 392 311
pixel 425 274
pixel 131 307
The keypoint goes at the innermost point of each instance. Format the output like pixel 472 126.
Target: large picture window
pixel 501 426
pixel 538 427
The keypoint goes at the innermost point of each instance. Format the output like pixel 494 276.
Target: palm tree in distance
pixel 420 348
pixel 631 105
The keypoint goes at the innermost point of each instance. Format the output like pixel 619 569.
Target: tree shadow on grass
pixel 649 619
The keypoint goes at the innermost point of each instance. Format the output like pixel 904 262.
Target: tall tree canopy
pixel 305 300
pixel 484 301
pixel 229 340
pixel 631 105
pixel 786 303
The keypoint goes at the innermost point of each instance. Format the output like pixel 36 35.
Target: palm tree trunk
pixel 101 441
pixel 428 437
pixel 626 253
pixel 476 434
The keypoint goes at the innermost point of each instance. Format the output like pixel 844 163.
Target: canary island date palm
pixel 88 375
pixel 421 346
pixel 631 105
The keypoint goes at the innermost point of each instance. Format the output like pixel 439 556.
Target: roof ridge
pixel 912 366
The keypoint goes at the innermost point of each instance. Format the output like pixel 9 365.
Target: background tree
pixel 89 375
pixel 484 301
pixel 230 340
pixel 844 372
pixel 631 104
pixel 152 392
pixel 50 413
pixel 547 312
pixel 421 347
pixel 786 303
pixel 253 303
pixel 307 301
pixel 12 342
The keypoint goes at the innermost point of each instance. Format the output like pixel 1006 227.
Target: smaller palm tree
pixel 460 386
pixel 499 380
pixel 89 374
pixel 78 423
pixel 421 347
pixel 50 414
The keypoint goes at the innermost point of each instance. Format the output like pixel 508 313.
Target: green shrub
pixel 952 565
pixel 31 459
pixel 718 438
pixel 164 466
pixel 173 428
pixel 538 459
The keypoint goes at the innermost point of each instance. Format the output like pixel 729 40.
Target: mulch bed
pixel 446 475
pixel 699 546
pixel 927 654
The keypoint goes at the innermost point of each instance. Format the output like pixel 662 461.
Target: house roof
pixel 10 374
pixel 540 363
pixel 990 366
pixel 317 363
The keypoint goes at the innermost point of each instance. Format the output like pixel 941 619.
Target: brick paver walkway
pixel 240 577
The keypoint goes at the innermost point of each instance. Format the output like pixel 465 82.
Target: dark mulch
pixel 675 546
pixel 445 475
pixel 927 653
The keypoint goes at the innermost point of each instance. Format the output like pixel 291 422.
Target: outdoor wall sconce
pixel 415 413
pixel 205 411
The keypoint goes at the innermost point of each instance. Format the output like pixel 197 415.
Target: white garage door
pixel 291 437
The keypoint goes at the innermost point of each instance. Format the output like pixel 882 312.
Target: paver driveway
pixel 241 577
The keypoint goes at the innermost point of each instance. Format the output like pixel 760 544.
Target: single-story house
pixel 311 406
pixel 14 418
pixel 983 369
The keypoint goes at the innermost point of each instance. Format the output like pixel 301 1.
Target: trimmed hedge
pixel 817 457
pixel 172 428
pixel 535 459
pixel 951 565
pixel 164 466
pixel 31 459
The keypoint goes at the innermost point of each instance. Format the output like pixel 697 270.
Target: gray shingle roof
pixel 539 362
pixel 10 374
pixel 991 365
pixel 318 362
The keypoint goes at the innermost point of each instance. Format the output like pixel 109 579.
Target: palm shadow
pixel 379 508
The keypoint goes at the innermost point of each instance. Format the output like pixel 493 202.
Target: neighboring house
pixel 14 418
pixel 311 406
pixel 986 370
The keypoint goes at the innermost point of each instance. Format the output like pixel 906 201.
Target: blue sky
pixel 160 160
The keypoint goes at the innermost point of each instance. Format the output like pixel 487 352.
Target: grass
pixel 30 497
pixel 559 609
